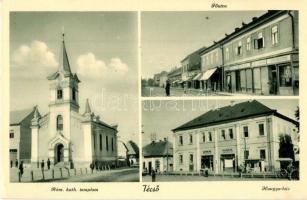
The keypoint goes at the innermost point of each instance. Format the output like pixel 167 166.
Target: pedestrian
pixel 92 166
pixel 11 163
pixel 43 164
pixel 48 164
pixel 184 87
pixel 16 163
pixel 153 176
pixel 167 88
pixel 21 168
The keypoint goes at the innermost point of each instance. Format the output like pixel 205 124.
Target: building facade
pixel 174 77
pixel 158 156
pixel 261 57
pixel 212 68
pixel 244 134
pixel 20 135
pixel 64 135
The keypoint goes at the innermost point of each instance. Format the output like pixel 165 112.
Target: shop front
pixel 212 79
pixel 273 76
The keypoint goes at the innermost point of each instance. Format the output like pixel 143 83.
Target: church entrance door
pixel 59 153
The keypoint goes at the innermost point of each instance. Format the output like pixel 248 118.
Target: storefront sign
pixel 238 67
pixel 207 152
pixel 259 63
pixel 227 150
pixel 279 59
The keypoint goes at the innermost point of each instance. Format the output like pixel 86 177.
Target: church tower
pixel 64 96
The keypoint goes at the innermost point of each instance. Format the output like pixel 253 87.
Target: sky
pixel 102 50
pixel 168 37
pixel 160 117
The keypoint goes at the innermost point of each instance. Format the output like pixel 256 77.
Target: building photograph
pixel 216 140
pixel 221 53
pixel 68 82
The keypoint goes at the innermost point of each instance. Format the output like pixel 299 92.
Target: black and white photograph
pixel 220 53
pixel 73 97
pixel 220 140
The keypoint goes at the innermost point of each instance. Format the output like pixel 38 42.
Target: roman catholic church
pixel 66 136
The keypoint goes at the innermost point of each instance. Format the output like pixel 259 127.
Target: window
pixel 248 44
pixel 180 140
pixel 59 123
pixel 74 94
pixel 262 154
pixel 261 129
pixel 239 49
pixel 112 143
pixel 204 137
pixel 100 142
pixel 245 131
pixel 11 134
pixel 259 42
pixel 180 159
pixel 285 76
pixel 223 135
pixel 210 137
pixel 107 143
pixel 157 164
pixel 246 154
pixel 59 93
pixel 227 54
pixel 191 139
pixel 230 133
pixel 274 35
pixel 191 158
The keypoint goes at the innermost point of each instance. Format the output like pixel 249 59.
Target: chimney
pixel 255 18
pixel 165 140
pixel 236 29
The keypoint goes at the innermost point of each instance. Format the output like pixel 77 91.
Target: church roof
pixel 17 116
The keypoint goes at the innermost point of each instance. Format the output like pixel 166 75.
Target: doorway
pixel 149 167
pixel 238 81
pixel 273 80
pixel 59 153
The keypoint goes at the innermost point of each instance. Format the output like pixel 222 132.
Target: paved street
pixel 114 175
pixel 183 178
pixel 159 91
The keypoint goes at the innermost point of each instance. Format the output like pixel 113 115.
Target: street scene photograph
pixel 220 53
pixel 220 140
pixel 73 97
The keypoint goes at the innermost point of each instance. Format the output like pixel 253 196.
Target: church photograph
pixel 73 96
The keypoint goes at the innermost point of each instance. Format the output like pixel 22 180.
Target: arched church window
pixel 59 123
pixel 74 94
pixel 107 143
pixel 59 93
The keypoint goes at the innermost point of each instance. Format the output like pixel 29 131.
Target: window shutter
pixel 263 42
pixel 255 44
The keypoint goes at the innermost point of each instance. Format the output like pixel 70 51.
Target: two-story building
pixel 261 57
pixel 212 68
pixel 191 68
pixel 174 77
pixel 20 135
pixel 223 139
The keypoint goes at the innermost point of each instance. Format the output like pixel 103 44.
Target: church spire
pixel 87 107
pixel 64 62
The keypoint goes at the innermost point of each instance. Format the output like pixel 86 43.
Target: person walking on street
pixel 48 164
pixel 43 164
pixel 153 176
pixel 16 163
pixel 167 88
pixel 21 168
pixel 11 163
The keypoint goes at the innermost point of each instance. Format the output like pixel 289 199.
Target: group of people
pixel 21 165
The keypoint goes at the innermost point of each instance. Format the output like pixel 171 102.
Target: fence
pixel 37 175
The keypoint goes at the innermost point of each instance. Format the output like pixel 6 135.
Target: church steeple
pixel 87 108
pixel 64 62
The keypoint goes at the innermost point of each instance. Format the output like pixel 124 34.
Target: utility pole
pixel 167 154
pixel 245 153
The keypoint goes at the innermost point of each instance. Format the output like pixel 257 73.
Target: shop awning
pixel 205 76
pixel 197 77
pixel 176 81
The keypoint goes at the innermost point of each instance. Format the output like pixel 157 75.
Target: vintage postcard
pixel 152 99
